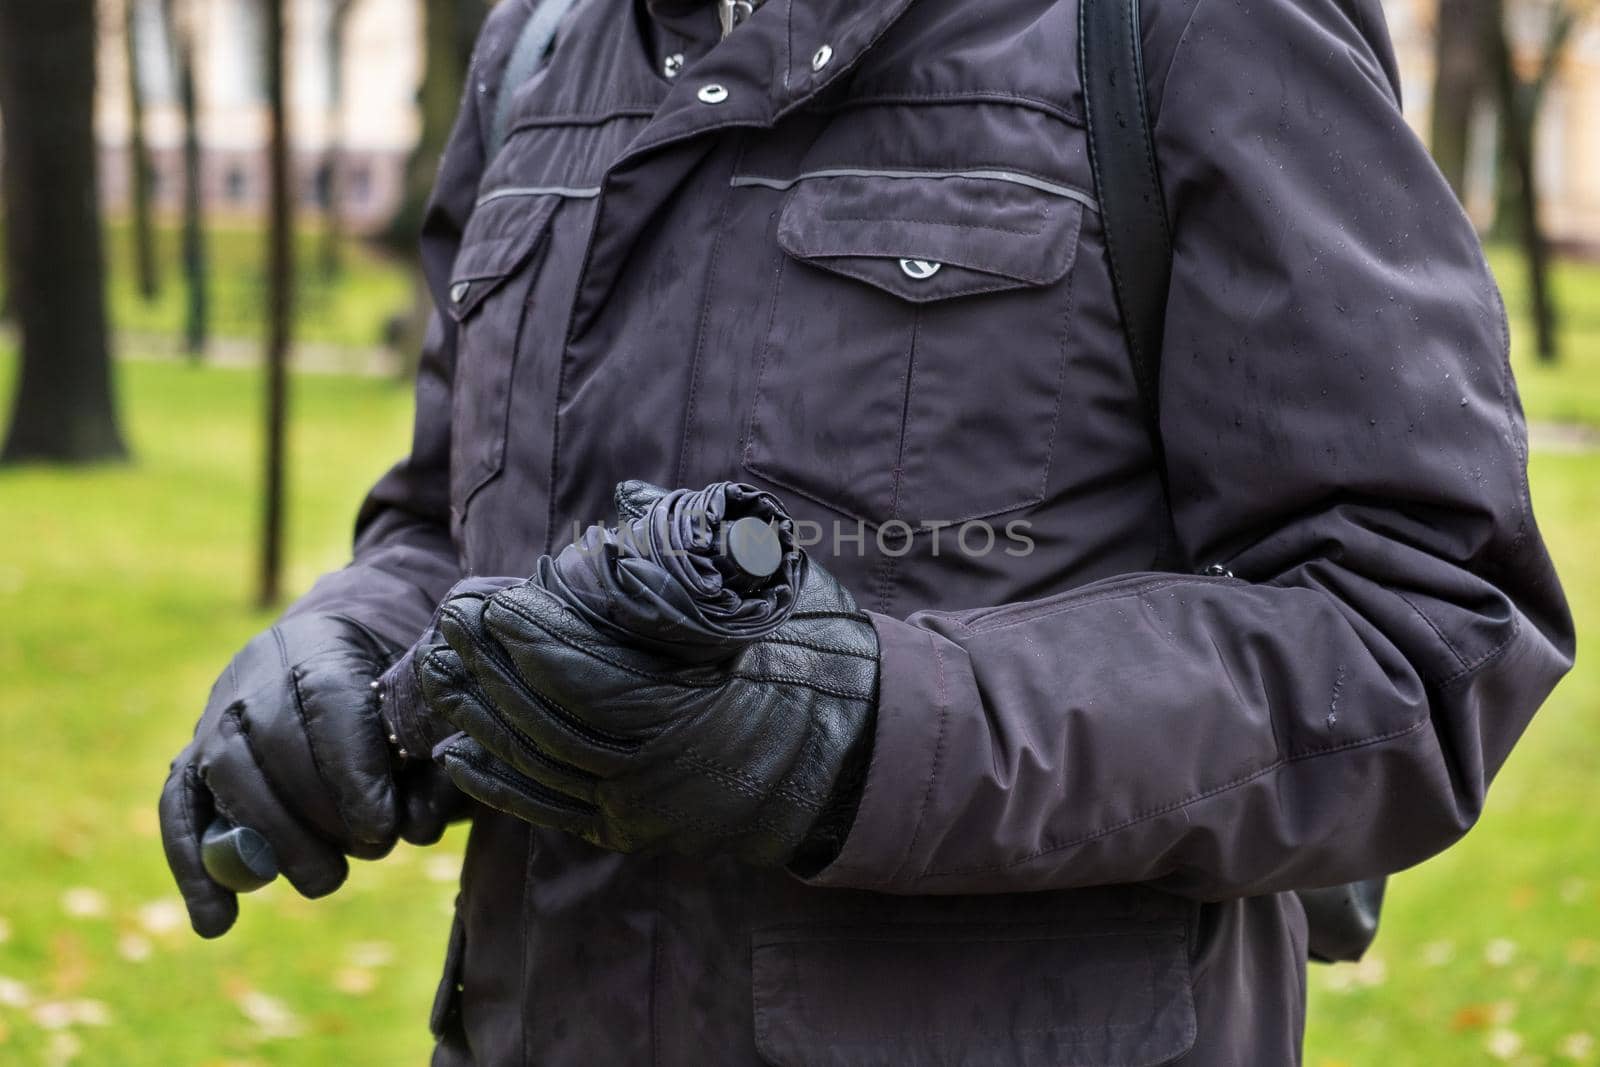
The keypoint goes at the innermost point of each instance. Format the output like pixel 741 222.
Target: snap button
pixel 920 269
pixel 672 65
pixel 821 57
pixel 712 94
pixel 459 291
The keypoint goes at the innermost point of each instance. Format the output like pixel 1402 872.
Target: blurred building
pixel 365 125
pixel 1567 141
pixel 371 118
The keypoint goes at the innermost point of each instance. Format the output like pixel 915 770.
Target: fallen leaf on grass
pixel 1499 952
pixel 443 867
pixel 60 1014
pixel 1579 1047
pixel 1438 953
pixel 1503 1044
pixel 370 954
pixel 62 1050
pixel 70 964
pixel 354 981
pixel 135 948
pixel 14 994
pixel 271 1016
pixel 81 902
pixel 161 917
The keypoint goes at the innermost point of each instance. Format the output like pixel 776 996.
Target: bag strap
pixel 1133 214
pixel 533 44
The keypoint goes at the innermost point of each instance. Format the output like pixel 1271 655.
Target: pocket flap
pixel 1015 994
pixel 500 236
pixel 928 238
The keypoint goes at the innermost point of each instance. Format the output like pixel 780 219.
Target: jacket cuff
pixel 413 728
pixel 923 680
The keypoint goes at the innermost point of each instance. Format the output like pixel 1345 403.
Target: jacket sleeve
pixel 1343 435
pixel 404 559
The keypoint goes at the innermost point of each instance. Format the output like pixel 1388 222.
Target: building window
pixel 236 185
pixel 322 186
pixel 358 186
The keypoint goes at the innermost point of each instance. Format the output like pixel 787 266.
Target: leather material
pixel 574 728
pixel 291 745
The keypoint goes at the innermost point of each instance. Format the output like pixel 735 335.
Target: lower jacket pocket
pixel 1026 995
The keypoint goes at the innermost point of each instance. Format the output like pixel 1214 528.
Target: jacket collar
pixel 785 54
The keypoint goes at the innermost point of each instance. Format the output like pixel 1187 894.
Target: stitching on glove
pixel 522 784
pixel 580 729
pixel 316 758
pixel 754 788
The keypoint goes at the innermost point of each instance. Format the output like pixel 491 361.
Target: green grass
pixel 1497 941
pixel 123 588
pixel 349 309
pixel 1569 391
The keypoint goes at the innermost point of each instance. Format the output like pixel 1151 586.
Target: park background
pixel 247 230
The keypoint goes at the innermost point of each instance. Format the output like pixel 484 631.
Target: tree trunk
pixel 1517 127
pixel 139 168
pixel 197 305
pixel 450 28
pixel 64 410
pixel 1458 84
pixel 333 164
pixel 280 307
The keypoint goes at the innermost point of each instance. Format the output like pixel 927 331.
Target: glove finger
pixel 560 733
pixel 617 693
pixel 186 810
pixel 246 798
pixel 458 698
pixel 486 779
pixel 336 712
pixel 429 803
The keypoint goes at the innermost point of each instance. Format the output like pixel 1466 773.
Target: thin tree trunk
pixel 280 308
pixel 1517 126
pixel 196 283
pixel 145 270
pixel 333 210
pixel 450 26
pixel 64 409
pixel 1458 85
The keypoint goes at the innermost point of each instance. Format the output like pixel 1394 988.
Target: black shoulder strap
pixel 1133 215
pixel 537 35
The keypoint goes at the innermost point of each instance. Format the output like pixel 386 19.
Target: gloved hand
pixel 291 745
pixel 761 756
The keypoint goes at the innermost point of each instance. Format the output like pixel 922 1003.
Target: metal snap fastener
pixel 672 65
pixel 821 57
pixel 459 291
pixel 920 269
pixel 712 94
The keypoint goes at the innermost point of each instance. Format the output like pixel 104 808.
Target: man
pixel 851 253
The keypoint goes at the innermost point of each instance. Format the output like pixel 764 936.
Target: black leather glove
pixel 761 756
pixel 291 745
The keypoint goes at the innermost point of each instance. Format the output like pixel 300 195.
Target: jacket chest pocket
pixel 490 285
pixel 913 368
